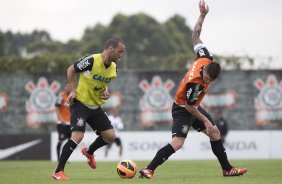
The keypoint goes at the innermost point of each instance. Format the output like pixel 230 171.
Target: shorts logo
pixel 80 122
pixel 185 129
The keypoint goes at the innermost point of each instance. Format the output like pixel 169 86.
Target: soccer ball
pixel 126 169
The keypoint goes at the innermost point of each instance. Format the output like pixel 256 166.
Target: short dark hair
pixel 213 70
pixel 113 42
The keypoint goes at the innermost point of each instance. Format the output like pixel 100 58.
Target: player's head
pixel 114 42
pixel 115 48
pixel 211 72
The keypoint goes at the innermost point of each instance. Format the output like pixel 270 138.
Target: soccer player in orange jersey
pixel 186 110
pixel 63 115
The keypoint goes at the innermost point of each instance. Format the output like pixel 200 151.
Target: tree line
pixel 149 45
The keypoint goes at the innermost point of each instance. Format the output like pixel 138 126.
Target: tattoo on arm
pixel 197 30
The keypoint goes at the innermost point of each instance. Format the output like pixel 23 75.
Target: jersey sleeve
pixel 202 52
pixel 193 93
pixel 84 64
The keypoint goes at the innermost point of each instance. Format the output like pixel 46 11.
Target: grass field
pixel 173 172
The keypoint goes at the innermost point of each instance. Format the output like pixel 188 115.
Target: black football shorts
pixel 183 120
pixel 97 119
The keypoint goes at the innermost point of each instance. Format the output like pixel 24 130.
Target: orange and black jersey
pixel 64 108
pixel 192 88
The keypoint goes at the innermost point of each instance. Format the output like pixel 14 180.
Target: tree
pixel 149 45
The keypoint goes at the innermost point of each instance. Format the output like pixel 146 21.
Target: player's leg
pixel 60 140
pixel 180 130
pixel 68 148
pixel 78 122
pixel 161 156
pixel 222 139
pixel 67 131
pixel 119 144
pixel 64 133
pixel 215 140
pixel 219 151
pixel 59 144
pixel 107 149
pixel 120 150
pixel 101 124
pixel 99 142
pixel 105 137
pixel 216 144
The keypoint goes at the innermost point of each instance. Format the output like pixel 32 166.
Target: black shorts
pixel 97 119
pixel 117 141
pixel 183 120
pixel 63 131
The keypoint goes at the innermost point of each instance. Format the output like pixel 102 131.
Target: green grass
pixel 172 172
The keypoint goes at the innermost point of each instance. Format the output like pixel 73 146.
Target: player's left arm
pixel 72 80
pixel 192 99
pixel 204 9
pixel 82 65
pixel 199 48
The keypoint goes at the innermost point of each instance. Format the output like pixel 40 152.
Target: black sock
pixel 219 151
pixel 161 156
pixel 58 150
pixel 98 143
pixel 66 153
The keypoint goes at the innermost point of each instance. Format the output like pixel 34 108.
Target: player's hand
pixel 209 127
pixel 70 98
pixel 66 104
pixel 105 95
pixel 204 9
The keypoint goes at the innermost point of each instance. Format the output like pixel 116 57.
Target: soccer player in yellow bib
pixel 85 100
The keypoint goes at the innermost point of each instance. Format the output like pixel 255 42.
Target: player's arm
pixel 72 81
pixel 204 9
pixel 195 112
pixel 191 106
pixel 199 48
pixel 57 108
pixel 82 65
